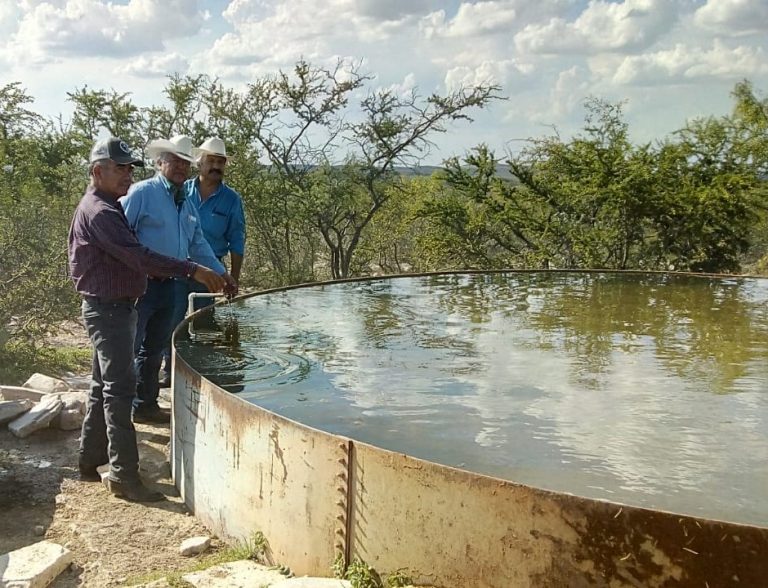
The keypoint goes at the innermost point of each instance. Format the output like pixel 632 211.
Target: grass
pixel 361 575
pixel 254 548
pixel 18 361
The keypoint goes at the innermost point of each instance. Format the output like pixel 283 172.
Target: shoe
pixel 89 473
pixel 134 491
pixel 151 416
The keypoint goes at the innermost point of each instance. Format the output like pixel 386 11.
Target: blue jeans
pixel 153 334
pixel 181 293
pixel 108 434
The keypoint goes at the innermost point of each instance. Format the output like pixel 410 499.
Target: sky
pixel 668 61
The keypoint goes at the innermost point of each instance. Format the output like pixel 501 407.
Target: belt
pixel 119 300
pixel 160 280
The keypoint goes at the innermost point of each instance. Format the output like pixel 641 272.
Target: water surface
pixel 650 390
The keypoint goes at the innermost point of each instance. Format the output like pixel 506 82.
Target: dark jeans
pixel 153 334
pixel 181 293
pixel 108 434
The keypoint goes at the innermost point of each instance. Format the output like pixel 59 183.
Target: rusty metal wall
pixel 449 527
pixel 241 469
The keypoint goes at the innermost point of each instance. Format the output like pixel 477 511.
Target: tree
pixel 35 208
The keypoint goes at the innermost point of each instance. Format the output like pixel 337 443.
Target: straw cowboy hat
pixel 211 146
pixel 180 146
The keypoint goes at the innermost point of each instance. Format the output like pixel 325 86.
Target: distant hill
pixel 502 171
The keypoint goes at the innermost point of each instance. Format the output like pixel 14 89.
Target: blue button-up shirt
pixel 152 213
pixel 221 216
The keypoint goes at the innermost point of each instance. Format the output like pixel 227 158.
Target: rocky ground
pixel 114 542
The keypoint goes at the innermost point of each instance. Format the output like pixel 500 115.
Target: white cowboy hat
pixel 180 146
pixel 211 146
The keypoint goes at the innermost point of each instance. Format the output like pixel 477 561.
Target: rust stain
pixel 274 437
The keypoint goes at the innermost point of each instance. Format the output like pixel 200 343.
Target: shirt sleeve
pixel 111 233
pixel 131 203
pixel 200 251
pixel 236 226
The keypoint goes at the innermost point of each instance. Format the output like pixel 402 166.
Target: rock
pixel 34 566
pixel 19 393
pixel 68 420
pixel 194 545
pixel 307 582
pixel 46 384
pixel 235 574
pixel 75 400
pixel 39 417
pixel 39 530
pixel 10 409
pixel 78 382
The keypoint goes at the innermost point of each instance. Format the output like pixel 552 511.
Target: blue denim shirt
pixel 221 216
pixel 160 226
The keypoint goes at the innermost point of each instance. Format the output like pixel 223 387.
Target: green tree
pixel 35 208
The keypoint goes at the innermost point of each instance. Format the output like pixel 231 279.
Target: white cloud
pixel 547 54
pixel 603 26
pixel 484 72
pixel 734 17
pixel 569 92
pixel 52 31
pixel 157 66
pixel 481 18
pixel 686 64
pixel 393 10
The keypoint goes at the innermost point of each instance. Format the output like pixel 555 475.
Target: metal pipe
pixel 191 305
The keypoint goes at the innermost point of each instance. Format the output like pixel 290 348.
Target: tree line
pixel 317 157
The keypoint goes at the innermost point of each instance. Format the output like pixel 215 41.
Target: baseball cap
pixel 115 149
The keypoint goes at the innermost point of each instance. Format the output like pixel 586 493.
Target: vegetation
pixel 255 548
pixel 319 162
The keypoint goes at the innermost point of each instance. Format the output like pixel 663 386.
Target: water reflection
pixel 645 389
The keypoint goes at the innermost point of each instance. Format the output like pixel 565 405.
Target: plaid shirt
pixel 106 259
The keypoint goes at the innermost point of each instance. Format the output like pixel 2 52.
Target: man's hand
pixel 230 289
pixel 210 279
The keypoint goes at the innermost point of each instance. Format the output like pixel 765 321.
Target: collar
pixel 216 191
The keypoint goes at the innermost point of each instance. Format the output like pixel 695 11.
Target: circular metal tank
pixel 318 497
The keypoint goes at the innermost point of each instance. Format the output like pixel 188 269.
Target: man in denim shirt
pixel 222 220
pixel 109 268
pixel 165 221
pixel 220 207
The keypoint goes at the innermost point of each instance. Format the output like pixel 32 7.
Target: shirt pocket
pixel 217 222
pixel 188 223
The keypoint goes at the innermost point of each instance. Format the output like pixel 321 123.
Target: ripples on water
pixel 645 389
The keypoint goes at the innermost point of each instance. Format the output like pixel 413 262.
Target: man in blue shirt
pixel 222 220
pixel 220 207
pixel 165 221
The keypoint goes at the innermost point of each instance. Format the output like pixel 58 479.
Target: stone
pixel 46 384
pixel 75 400
pixel 194 545
pixel 235 574
pixel 34 566
pixel 10 409
pixel 78 382
pixel 39 530
pixel 39 417
pixel 307 582
pixel 19 393
pixel 68 420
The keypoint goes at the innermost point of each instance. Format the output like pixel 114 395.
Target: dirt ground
pixel 114 542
